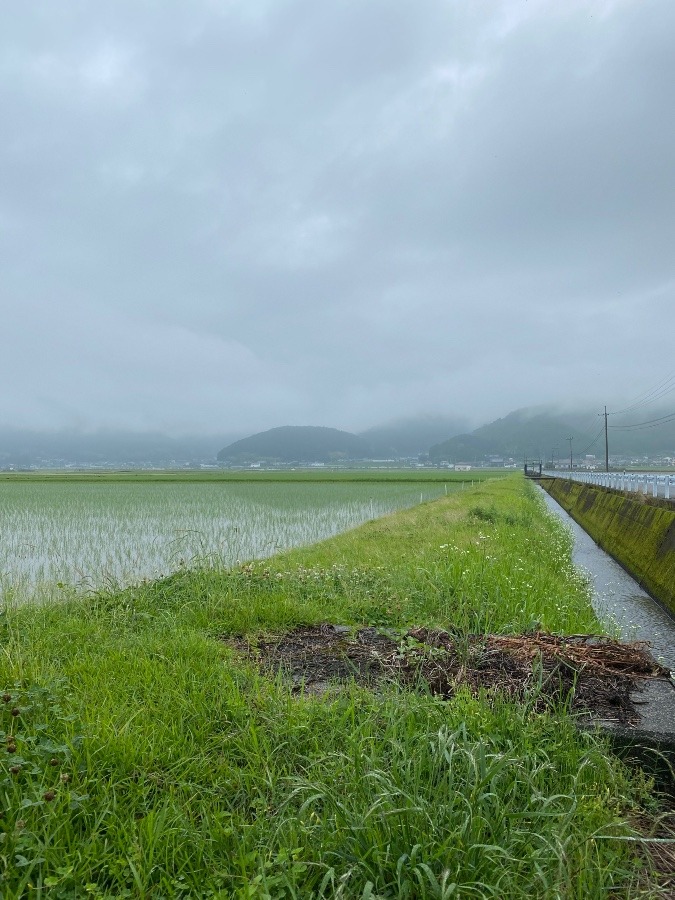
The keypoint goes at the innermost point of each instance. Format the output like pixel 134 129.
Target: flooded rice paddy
pixel 54 536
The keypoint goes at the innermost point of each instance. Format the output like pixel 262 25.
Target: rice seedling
pixel 59 535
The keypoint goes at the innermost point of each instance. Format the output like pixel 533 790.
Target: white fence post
pixel 635 482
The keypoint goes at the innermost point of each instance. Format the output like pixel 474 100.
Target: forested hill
pixel 296 443
pixel 516 435
pixel 535 433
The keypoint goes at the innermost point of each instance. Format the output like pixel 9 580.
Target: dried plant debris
pixel 655 842
pixel 596 675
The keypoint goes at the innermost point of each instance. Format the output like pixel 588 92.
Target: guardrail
pixel 638 482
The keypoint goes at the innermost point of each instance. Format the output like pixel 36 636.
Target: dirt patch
pixel 596 674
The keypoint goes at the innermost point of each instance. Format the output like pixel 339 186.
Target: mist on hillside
pixel 27 448
pixel 414 435
pixel 541 431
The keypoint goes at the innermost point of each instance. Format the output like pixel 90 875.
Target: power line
pixel 651 400
pixel 651 423
pixel 664 387
pixel 583 426
pixel 593 442
pixel 642 398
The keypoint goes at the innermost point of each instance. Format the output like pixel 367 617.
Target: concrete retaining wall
pixel 638 534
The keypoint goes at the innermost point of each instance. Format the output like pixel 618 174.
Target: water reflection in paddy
pixel 93 534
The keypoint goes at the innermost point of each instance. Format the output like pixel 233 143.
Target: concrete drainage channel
pixel 621 603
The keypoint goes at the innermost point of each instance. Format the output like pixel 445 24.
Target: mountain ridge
pixel 543 433
pixel 296 443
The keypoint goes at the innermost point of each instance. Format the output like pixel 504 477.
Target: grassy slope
pixel 192 775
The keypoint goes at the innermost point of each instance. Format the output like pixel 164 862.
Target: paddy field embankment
pixel 148 755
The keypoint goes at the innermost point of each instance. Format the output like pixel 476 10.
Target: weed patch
pixel 40 784
pixel 587 675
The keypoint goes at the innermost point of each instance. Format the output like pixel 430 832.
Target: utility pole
pixel 553 450
pixel 605 414
pixel 570 439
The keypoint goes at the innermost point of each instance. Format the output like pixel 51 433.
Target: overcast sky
pixel 227 215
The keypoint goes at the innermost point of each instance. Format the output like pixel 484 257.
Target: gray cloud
pixel 226 216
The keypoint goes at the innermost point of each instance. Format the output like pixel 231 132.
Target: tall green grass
pixel 190 774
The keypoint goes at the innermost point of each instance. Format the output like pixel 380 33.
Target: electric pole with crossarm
pixel 605 414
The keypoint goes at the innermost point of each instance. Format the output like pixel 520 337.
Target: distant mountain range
pixel 24 448
pixel 535 433
pixel 541 434
pixel 404 438
pixel 518 434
